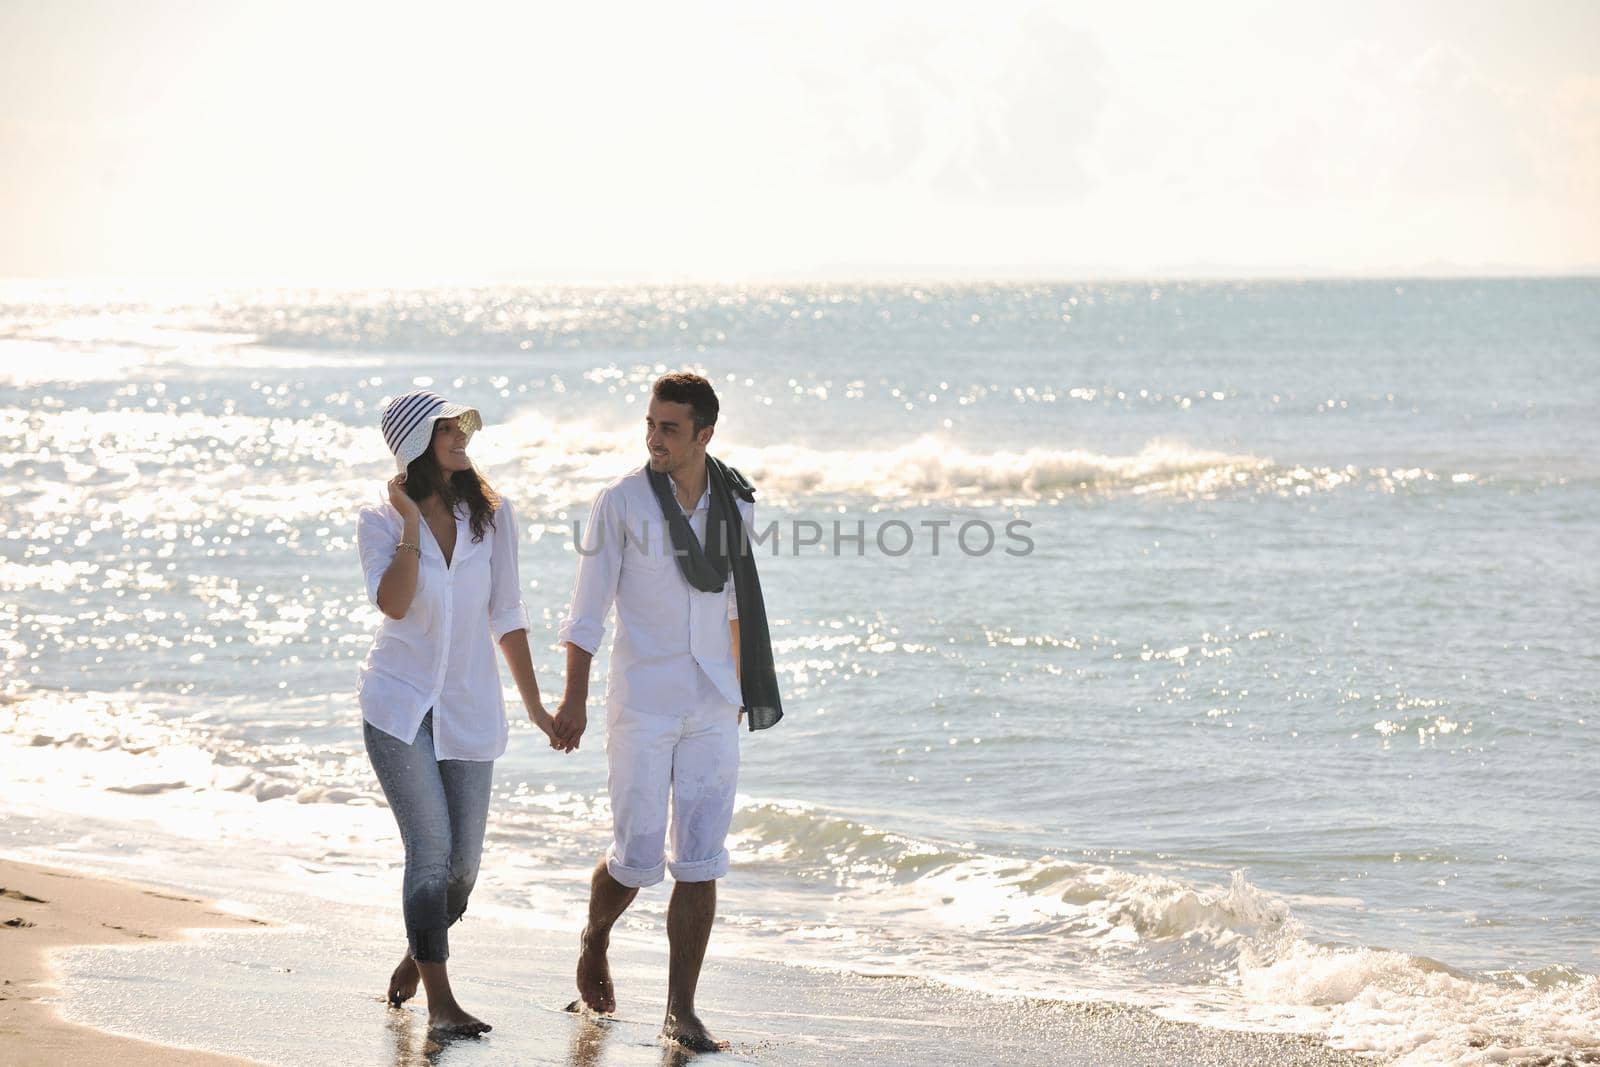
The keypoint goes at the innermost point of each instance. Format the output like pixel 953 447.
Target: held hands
pixel 400 501
pixel 564 728
pixel 543 720
pixel 567 727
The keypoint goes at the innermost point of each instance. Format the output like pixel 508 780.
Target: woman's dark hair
pixel 691 389
pixel 424 478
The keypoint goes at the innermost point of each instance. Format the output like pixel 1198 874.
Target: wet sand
pixel 310 991
pixel 43 909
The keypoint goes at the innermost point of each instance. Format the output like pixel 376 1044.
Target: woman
pixel 441 564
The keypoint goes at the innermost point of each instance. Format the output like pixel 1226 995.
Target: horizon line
pixel 863 276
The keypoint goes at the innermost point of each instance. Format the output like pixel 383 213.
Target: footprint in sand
pixel 130 933
pixel 17 894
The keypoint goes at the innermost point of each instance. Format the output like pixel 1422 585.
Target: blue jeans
pixel 441 807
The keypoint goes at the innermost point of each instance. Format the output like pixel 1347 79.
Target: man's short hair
pixel 691 389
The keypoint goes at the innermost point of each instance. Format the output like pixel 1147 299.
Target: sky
pixel 328 142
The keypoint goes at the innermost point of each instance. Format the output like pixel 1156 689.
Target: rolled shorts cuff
pixel 701 870
pixel 429 946
pixel 634 877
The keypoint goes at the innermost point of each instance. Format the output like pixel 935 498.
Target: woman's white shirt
pixel 441 654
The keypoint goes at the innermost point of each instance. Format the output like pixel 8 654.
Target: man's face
pixel 670 436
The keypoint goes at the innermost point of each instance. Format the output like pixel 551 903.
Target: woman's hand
pixel 400 501
pixel 541 718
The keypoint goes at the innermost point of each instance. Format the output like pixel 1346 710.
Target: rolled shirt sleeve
pixel 507 612
pixel 377 537
pixel 599 569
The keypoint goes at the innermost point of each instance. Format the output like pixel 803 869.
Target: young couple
pixel 667 544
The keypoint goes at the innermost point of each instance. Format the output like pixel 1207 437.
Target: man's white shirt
pixel 665 627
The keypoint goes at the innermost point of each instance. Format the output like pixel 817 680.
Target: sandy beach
pixel 43 909
pixel 131 958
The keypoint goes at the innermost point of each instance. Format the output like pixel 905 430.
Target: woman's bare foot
pixel 687 1030
pixel 452 1021
pixel 446 1017
pixel 594 974
pixel 403 982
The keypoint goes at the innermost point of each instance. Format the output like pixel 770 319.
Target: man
pixel 668 544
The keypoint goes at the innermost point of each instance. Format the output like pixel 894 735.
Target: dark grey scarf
pixel 727 549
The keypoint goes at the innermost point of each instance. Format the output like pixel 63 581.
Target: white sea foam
pixel 1227 955
pixel 934 469
pixel 1414 1011
pixel 136 466
pixel 582 455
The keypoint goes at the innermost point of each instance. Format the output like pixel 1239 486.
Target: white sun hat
pixel 408 423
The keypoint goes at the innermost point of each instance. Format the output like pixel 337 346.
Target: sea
pixel 1223 648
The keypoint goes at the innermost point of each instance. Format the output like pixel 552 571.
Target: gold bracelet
pixel 412 547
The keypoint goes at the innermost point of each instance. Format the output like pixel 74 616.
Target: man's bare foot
pixel 453 1022
pixel 594 974
pixel 688 1031
pixel 403 982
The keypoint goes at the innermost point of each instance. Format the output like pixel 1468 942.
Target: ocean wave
pixel 1077 930
pixel 930 469
pixel 1036 897
pixel 933 469
pixel 133 467
pixel 1411 1010
pixel 841 891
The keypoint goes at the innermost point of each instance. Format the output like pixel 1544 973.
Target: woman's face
pixel 450 446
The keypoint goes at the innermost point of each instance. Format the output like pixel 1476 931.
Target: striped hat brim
pixel 408 423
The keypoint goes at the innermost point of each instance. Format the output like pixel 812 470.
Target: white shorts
pixel 683 758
